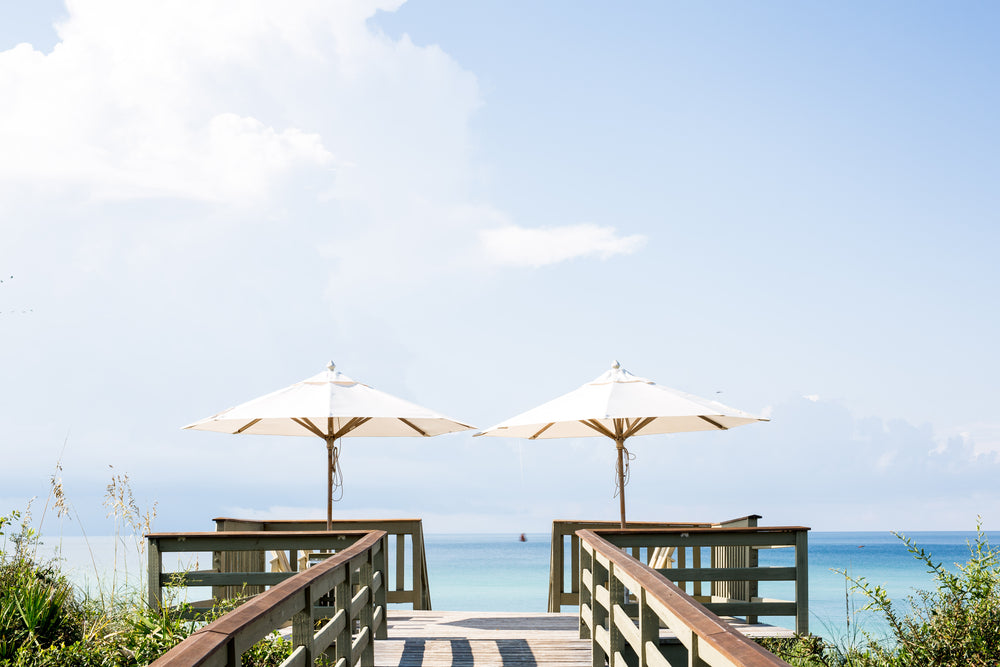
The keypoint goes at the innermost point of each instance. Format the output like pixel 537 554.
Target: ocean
pixel 500 573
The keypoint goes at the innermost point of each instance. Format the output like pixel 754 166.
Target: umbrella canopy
pixel 619 405
pixel 331 406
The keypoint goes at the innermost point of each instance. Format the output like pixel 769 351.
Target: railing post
pixel 649 629
pixel 556 574
pixel 696 562
pixel 616 643
pixel 586 595
pixel 342 601
pixel 421 595
pixel 218 592
pixel 574 566
pixel 401 564
pixel 302 627
pixel 598 615
pixel 153 568
pixel 367 616
pixel 801 582
pixel 381 565
pixel 694 660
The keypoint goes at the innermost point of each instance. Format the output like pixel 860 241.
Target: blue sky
pixel 478 207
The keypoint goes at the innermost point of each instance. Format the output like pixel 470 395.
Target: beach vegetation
pixel 46 621
pixel 954 623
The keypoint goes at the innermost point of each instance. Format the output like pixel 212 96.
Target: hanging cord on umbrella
pixel 337 490
pixel 623 474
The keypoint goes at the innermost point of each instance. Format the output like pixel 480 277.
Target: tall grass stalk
pixel 45 621
pixel 130 522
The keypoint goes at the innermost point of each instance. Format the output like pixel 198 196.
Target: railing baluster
pixel 696 562
pixel 381 558
pixel 401 562
pixel 155 566
pixel 342 600
pixel 302 628
pixel 649 629
pixel 367 616
pixel 616 643
pixel 586 594
pixel 598 613
pixel 422 597
pixel 557 575
pixel 574 555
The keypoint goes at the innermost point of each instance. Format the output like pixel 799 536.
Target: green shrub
pixel 955 624
pixel 801 650
pixel 45 622
pixel 958 623
pixel 37 605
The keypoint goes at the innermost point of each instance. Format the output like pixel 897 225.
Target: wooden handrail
pixel 708 639
pixel 225 639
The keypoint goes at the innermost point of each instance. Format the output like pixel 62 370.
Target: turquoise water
pixel 500 573
pixel 882 559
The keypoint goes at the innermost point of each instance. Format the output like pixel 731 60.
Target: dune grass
pixel 46 621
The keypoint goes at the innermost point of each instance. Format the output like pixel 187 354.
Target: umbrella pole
pixel 621 477
pixel 329 483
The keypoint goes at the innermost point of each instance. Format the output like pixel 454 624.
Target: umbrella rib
pixel 598 426
pixel 354 423
pixel 305 423
pixel 246 426
pixel 638 425
pixel 413 426
pixel 542 430
pixel 713 423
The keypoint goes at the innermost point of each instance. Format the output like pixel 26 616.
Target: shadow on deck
pixel 496 639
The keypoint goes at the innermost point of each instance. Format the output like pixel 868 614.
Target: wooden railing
pixel 223 641
pixel 725 579
pixel 228 543
pixel 406 540
pixel 627 634
pixel 565 573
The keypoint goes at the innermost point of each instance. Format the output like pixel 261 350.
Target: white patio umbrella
pixel 331 406
pixel 619 405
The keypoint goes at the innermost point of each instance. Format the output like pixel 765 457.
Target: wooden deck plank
pixel 497 639
pixel 481 639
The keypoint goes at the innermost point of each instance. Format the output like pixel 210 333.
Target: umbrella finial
pixel 331 367
pixel 616 365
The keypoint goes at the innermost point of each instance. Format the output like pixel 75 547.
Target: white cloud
pixel 522 246
pixel 983 437
pixel 185 99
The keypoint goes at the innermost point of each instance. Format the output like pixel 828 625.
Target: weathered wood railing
pixel 627 634
pixel 563 573
pixel 223 641
pixel 249 583
pixel 406 539
pixel 690 576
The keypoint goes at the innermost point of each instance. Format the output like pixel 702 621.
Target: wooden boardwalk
pixel 495 639
pixel 481 639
